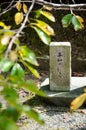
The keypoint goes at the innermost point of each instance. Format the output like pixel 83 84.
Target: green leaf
pixel 5 65
pixel 66 20
pixel 48 15
pixel 76 23
pixel 44 27
pixel 7 32
pixel 42 35
pixel 10 94
pixel 2 24
pixel 15 81
pixel 17 70
pixel 11 113
pixel 17 41
pixel 2 48
pixel 7 124
pixel 31 85
pixel 27 55
pixel 38 13
pixel 31 68
pixel 33 114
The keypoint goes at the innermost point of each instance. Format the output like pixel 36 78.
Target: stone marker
pixel 60 66
pixel 61 88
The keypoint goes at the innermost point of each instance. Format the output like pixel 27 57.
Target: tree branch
pixel 10 4
pixel 61 6
pixel 20 29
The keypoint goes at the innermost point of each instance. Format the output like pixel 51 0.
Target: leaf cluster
pixel 76 20
pixel 43 30
pixel 12 58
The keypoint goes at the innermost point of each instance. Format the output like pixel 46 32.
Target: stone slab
pixel 64 98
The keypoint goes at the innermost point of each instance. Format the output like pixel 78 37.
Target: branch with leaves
pixel 20 29
pixel 13 55
pixel 61 6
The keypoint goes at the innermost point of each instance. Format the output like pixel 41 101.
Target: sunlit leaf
pixel 32 69
pixel 5 65
pixel 17 70
pixel 31 86
pixel 44 27
pixel 47 7
pixel 18 18
pixel 5 39
pixel 81 20
pixel 27 55
pixel 7 27
pixel 77 23
pixel 7 124
pixel 2 48
pixel 17 81
pixel 77 102
pixel 38 13
pixel 32 114
pixel 7 32
pixel 48 15
pixel 66 20
pixel 42 35
pixel 2 24
pixel 17 41
pixel 18 6
pixel 10 94
pixel 25 9
pixel 13 55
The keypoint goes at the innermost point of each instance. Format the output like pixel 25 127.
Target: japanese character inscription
pixel 59 63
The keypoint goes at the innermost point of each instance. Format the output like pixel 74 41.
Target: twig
pixel 20 29
pixel 10 4
pixel 61 6
pixel 7 10
pixel 42 2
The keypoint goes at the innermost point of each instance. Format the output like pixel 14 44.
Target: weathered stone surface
pixel 64 98
pixel 60 66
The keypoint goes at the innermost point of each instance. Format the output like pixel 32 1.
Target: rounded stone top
pixel 60 44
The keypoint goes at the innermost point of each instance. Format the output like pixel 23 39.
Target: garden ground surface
pixel 56 118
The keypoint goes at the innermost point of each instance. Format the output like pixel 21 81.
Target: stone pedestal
pixel 63 99
pixel 61 88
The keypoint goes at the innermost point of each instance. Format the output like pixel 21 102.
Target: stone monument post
pixel 61 88
pixel 60 66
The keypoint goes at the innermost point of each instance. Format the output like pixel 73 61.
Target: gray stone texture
pixel 60 66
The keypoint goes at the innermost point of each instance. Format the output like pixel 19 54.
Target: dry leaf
pixel 77 102
pixel 47 7
pixel 18 18
pixel 5 40
pixel 18 6
pixel 45 27
pixel 13 55
pixel 81 20
pixel 25 9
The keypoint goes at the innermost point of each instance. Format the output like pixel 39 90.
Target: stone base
pixel 64 98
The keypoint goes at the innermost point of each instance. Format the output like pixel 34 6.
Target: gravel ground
pixel 57 118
